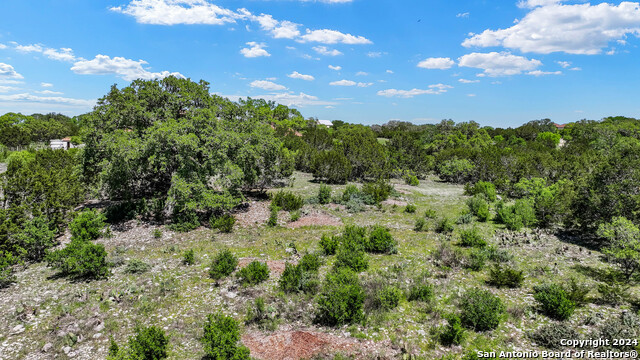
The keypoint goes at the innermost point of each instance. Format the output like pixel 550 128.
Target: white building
pixel 64 144
pixel 326 123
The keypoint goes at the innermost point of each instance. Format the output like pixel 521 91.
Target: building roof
pixel 325 122
pixel 558 126
pixel 66 139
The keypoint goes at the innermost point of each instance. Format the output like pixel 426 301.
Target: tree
pixel 623 246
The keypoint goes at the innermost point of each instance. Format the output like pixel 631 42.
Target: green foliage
pixel 577 292
pixel 34 238
pixel 410 209
pixel 324 194
pixel 472 238
pixel 302 277
pixel 341 299
pixel 554 301
pixel 223 223
pixel 150 343
pixel 464 218
pixel 351 249
pixel 445 226
pixel 456 170
pixel 388 298
pixel 265 317
pixel 430 214
pixel 332 166
pixel 310 262
pixel 453 333
pixel 517 216
pixel 481 310
pixel 549 139
pixel 272 221
pixel 254 273
pixel 504 276
pixel 381 241
pixel 411 179
pixel 156 233
pixel 295 216
pixel 625 326
pixel 287 201
pixel 189 257
pixel 477 259
pixel 7 260
pixel 87 225
pixel 485 188
pixel 80 259
pixel 136 266
pixel 421 292
pixel 221 339
pixel 550 335
pixel 623 244
pixel 379 191
pixel 350 191
pixel 329 244
pixel 479 207
pixel 223 265
pixel 421 225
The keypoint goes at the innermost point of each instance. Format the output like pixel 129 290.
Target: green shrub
pixel 35 238
pixel 421 292
pixel 329 244
pixel 332 166
pixel 324 194
pixel 500 276
pixel 550 335
pixel 625 326
pixel 80 259
pixel 223 223
pixel 291 278
pixel 389 298
pixel 517 216
pixel 498 255
pixel 481 310
pixel 445 225
pixel 430 214
pixel 287 201
pixel 87 225
pixel 156 233
pixel 477 259
pixel 295 216
pixel 410 209
pixel 273 216
pixel 464 218
pixel 341 299
pixel 221 337
pixel 310 262
pixel 381 241
pixel 453 333
pixel 254 273
pixel 420 225
pixel 150 343
pixel 265 317
pixel 7 260
pixel 189 257
pixel 612 294
pixel 412 180
pixel 472 238
pixel 136 266
pixel 379 191
pixel 351 254
pixel 554 301
pixel 479 207
pixel 350 192
pixel 483 187
pixel 223 265
pixel 577 292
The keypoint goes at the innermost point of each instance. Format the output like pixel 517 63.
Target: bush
pixel 295 216
pixel 287 201
pixel 324 194
pixel 221 337
pixel 149 343
pixel 389 298
pixel 479 207
pixel 472 238
pixel 381 241
pixel 80 259
pixel 254 273
pixel 35 238
pixel 379 191
pixel 430 214
pixel 577 292
pixel 464 218
pixel 332 166
pixel 612 294
pixel 410 209
pixel 350 192
pixel 477 259
pixel 223 223
pixel 136 266
pixel 412 180
pixel 7 260
pixel 299 278
pixel 156 233
pixel 445 225
pixel 350 254
pixel 626 326
pixel 329 244
pixel 310 262
pixel 517 216
pixel 420 225
pixel 258 313
pixel 481 310
pixel 421 292
pixel 550 335
pixel 341 299
pixel 446 256
pixel 453 333
pixel 189 257
pixel 485 188
pixel 223 265
pixel 273 216
pixel 505 277
pixel 87 225
pixel 554 301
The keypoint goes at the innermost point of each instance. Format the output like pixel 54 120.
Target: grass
pixel 178 297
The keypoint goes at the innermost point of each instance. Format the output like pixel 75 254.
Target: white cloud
pixel 498 64
pixel 471 95
pixel 323 50
pixel 46 85
pixel 564 64
pixel 542 73
pixel 436 63
pixel 462 15
pixel 433 90
pixel 574 29
pixel 278 29
pixel 374 54
pixel 124 68
pixel 361 84
pixel 267 85
pixel 8 72
pixel 47 99
pixel 326 36
pixel 530 4
pixel 297 75
pixel 64 54
pixel 336 68
pixel 3 46
pixel 4 89
pixel 343 83
pixel 29 48
pixel 291 99
pixel 49 92
pixel 389 71
pixel 465 81
pixel 173 12
pixel 362 73
pixel 255 50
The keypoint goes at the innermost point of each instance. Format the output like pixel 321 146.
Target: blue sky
pixel 501 63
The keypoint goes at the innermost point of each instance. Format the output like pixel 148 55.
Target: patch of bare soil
pixel 133 233
pixel 307 343
pixel 392 202
pixel 275 266
pixel 316 218
pixel 257 213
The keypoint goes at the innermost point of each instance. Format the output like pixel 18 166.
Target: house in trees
pixel 326 123
pixel 560 127
pixel 64 144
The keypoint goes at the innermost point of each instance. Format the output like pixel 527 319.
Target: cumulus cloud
pixel 343 83
pixel 46 85
pixel 173 12
pixel 326 36
pixel 254 50
pixel 8 72
pixel 125 68
pixel 362 84
pixel 4 89
pixel 267 85
pixel 336 68
pixel 374 54
pixel 292 99
pixel 49 92
pixel 362 73
pixel 2 46
pixel 574 29
pixel 465 81
pixel 436 63
pixel 63 54
pixel 542 73
pixel 499 64
pixel 432 90
pixel 278 29
pixel 46 99
pixel 323 50
pixel 297 75
pixel 29 48
pixel 389 71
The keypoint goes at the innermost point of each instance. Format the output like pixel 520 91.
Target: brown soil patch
pixel 304 344
pixel 392 202
pixel 320 219
pixel 275 266
pixel 257 214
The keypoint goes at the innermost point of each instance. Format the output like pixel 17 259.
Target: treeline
pixel 17 130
